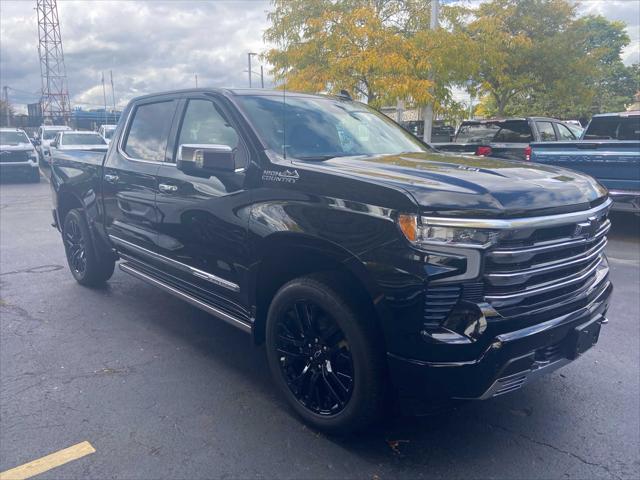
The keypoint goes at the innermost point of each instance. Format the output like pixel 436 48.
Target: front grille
pixel 537 267
pixel 7 156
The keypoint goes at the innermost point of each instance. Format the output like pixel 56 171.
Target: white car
pixel 70 140
pixel 106 132
pixel 17 154
pixel 45 135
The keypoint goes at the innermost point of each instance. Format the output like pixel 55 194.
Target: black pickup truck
pixel 370 265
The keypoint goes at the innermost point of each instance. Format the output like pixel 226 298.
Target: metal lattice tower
pixel 55 95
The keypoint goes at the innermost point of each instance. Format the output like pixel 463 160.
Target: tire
pixel 87 266
pixel 296 364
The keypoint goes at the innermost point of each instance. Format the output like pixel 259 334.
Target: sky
pixel 161 45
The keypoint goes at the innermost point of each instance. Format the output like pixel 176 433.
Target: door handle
pixel 166 188
pixel 110 178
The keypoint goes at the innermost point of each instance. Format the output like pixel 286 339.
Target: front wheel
pixel 325 356
pixel 87 266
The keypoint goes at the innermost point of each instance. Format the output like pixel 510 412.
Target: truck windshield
pixel 13 138
pixel 614 128
pixel 316 128
pixel 50 134
pixel 82 139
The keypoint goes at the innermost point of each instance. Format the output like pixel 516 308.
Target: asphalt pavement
pixel 161 390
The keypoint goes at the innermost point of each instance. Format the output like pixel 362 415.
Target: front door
pixel 130 179
pixel 202 229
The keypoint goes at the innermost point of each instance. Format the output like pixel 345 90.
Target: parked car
pixel 70 140
pixel 17 154
pixel 364 260
pixel 440 132
pixel 106 132
pixel 610 153
pixel 506 138
pixel 45 135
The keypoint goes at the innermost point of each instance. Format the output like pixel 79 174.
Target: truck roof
pixel 629 113
pixel 238 92
pixel 509 119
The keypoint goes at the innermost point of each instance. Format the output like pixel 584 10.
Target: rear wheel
pixel 87 266
pixel 325 357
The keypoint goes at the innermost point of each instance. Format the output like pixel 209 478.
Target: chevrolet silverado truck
pixel 18 155
pixel 371 266
pixel 609 151
pixel 508 138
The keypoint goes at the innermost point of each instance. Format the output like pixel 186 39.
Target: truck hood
pixel 21 147
pixel 475 186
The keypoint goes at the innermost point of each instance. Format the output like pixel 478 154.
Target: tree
pixel 380 49
pixel 517 42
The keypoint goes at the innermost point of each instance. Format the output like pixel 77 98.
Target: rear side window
pixel 614 128
pixel 547 134
pixel 564 133
pixel 149 131
pixel 517 131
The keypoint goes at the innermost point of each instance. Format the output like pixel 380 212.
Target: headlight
pixel 421 231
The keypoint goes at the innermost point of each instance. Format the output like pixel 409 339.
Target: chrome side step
pixel 236 322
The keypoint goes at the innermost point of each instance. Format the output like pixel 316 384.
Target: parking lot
pixel 162 390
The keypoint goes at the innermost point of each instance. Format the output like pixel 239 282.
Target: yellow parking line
pixel 49 462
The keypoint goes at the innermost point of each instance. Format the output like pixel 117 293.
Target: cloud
pixel 149 46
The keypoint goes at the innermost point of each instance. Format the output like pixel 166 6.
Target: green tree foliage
pixel 380 49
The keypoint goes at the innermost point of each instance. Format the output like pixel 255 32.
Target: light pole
pixel 428 109
pixel 249 55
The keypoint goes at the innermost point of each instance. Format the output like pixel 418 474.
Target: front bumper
pixel 511 360
pixel 18 167
pixel 625 201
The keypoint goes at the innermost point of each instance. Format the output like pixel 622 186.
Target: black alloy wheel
pixel 89 265
pixel 315 358
pixel 76 247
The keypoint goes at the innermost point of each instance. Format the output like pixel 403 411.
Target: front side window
pixel 547 134
pixel 317 128
pixel 149 131
pixel 204 124
pixel 81 139
pixel 13 138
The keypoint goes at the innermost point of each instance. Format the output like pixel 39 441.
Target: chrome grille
pixel 544 265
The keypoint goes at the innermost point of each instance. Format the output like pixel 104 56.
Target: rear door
pixel 203 221
pixel 129 184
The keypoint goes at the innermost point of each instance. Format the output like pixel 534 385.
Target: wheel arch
pixel 284 256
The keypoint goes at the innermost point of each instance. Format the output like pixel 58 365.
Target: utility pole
pixel 196 80
pixel 104 96
pixel 261 76
pixel 249 59
pixel 428 109
pixel 113 93
pixel 5 97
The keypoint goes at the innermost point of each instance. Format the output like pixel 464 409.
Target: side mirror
pixel 36 142
pixel 205 158
pixel 54 144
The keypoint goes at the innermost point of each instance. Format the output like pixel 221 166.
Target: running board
pixel 236 322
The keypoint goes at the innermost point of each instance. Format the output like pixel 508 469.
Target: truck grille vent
pixel 438 303
pixel 537 268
